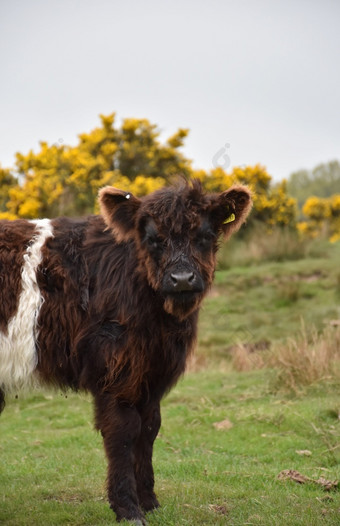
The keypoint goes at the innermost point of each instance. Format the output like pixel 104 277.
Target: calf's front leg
pixel 150 424
pixel 120 425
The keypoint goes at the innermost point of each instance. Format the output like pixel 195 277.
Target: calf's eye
pixel 150 237
pixel 155 243
pixel 204 241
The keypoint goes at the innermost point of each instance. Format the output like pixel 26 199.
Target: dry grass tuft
pixel 301 361
pixel 245 359
pixel 196 362
pixel 279 244
pixel 308 359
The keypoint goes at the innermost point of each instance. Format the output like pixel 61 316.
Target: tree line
pixel 61 179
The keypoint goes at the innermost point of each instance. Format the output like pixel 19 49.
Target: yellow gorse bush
pixel 272 205
pixel 64 180
pixel 322 217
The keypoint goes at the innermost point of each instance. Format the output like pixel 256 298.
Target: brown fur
pixel 14 239
pixel 122 293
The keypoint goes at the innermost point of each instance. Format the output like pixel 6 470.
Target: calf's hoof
pixel 134 517
pixel 148 502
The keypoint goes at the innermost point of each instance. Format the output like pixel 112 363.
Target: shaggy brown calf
pixel 109 304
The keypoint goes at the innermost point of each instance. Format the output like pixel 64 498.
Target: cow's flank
pixel 109 304
pixel 21 308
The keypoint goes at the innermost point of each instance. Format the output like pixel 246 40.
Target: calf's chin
pixel 182 304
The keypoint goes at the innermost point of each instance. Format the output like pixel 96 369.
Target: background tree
pixel 272 204
pixel 64 180
pixel 7 181
pixel 322 181
pixel 322 217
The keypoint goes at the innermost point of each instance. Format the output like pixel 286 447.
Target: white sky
pixel 262 76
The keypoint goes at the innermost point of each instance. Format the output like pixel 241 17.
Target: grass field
pixel 226 435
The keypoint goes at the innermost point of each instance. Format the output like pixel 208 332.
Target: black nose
pixel 182 281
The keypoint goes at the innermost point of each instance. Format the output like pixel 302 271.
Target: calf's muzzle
pixel 182 280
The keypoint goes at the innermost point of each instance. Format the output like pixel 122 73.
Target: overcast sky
pixel 259 79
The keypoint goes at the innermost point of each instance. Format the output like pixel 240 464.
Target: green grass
pixel 53 466
pixel 53 469
pixel 265 303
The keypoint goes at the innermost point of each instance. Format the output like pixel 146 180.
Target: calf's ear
pixel 231 208
pixel 119 209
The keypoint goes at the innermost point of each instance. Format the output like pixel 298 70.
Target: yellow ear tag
pixel 229 219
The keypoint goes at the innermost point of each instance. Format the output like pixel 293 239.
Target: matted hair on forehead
pixel 177 207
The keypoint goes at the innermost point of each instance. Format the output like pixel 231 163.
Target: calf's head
pixel 176 232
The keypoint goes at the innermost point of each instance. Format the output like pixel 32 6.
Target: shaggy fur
pixel 18 343
pixel 109 304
